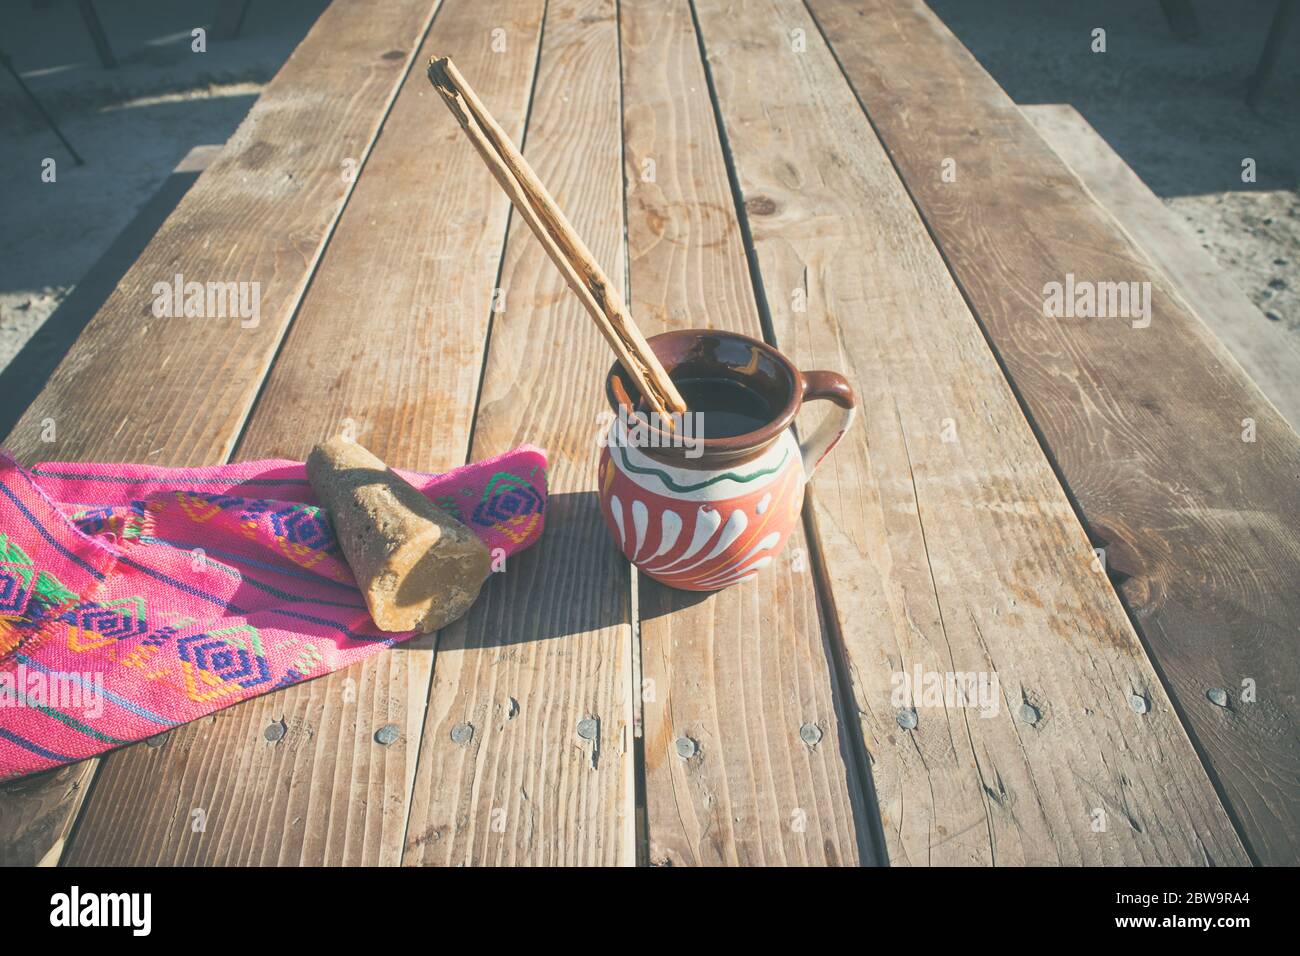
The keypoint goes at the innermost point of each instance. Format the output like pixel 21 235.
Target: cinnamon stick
pixel 565 247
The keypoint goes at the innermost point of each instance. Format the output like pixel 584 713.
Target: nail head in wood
pixel 810 734
pixel 462 733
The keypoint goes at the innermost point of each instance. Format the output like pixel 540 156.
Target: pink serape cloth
pixel 134 598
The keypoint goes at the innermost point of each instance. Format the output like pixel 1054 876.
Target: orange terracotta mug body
pixel 710 500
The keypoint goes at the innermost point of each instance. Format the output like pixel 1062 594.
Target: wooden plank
pixel 1182 469
pixel 503 776
pixel 389 342
pixel 949 546
pixel 742 670
pixel 260 214
pixel 1267 351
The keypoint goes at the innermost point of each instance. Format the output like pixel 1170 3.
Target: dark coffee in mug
pixel 724 407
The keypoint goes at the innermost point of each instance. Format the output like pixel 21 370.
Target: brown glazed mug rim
pixel 723 447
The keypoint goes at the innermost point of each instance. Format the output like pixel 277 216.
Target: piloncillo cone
pixel 418 567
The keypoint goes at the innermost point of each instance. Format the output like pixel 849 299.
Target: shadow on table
pixel 659 600
pixel 571 583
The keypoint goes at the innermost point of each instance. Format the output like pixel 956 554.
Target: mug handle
pixel 833 387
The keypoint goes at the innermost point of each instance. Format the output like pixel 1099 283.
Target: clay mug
pixel 700 513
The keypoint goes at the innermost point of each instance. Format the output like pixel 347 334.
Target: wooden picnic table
pixel 845 180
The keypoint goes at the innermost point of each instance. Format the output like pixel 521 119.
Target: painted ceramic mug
pixel 700 513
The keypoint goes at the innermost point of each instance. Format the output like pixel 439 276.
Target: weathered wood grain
pixel 1182 470
pixel 503 776
pixel 949 546
pixel 260 214
pixel 388 344
pixel 1266 350
pixel 742 670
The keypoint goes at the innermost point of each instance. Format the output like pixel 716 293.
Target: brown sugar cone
pixel 418 567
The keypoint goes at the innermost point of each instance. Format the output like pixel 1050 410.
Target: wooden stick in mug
pixel 565 247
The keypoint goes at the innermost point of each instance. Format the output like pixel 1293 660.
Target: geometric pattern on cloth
pixel 135 598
